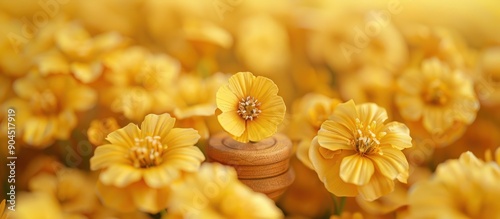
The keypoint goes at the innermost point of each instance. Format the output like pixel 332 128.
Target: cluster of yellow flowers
pixel 113 104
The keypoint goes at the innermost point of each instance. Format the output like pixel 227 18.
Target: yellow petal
pixel 80 98
pixel 197 110
pixel 39 131
pixel 53 63
pixel 398 135
pixel 263 89
pixel 242 138
pixel 106 155
pixel 65 122
pixel 124 136
pixel 335 136
pixel 345 114
pixel 120 175
pixel 176 161
pixel 369 112
pixel 356 169
pixel 148 199
pixel 226 100
pixel 115 198
pixel 157 125
pixel 187 159
pixel 232 123
pixel 410 107
pixel 378 186
pixel 241 83
pixel 497 155
pixel 261 128
pixel 27 86
pixel 436 119
pixel 329 172
pixel 303 152
pixel 411 82
pixel 391 164
pixel 86 72
pixel 181 137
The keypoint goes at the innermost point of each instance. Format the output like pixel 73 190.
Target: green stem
pixel 341 206
pixel 334 199
pixel 338 206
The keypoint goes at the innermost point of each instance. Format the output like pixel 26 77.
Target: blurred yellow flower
pixel 141 82
pixel 356 153
pixel 139 165
pixel 195 100
pixel 78 52
pixel 462 188
pixel 39 205
pixel 251 108
pixel 71 188
pixel 487 84
pixel 438 95
pixel 309 113
pixel 100 128
pixel 215 192
pixel 263 44
pixel 53 102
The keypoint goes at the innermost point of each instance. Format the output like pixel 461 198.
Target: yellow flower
pixel 99 129
pixel 309 113
pixel 251 108
pixel 438 95
pixel 53 102
pixel 356 153
pixel 139 165
pixel 349 45
pixel 215 192
pixel 263 44
pixel 463 188
pixel 72 189
pixel 195 101
pixel 38 205
pixel 141 82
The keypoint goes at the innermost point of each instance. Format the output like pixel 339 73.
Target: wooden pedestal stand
pixel 263 166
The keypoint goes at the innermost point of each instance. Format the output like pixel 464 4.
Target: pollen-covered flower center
pixel 146 152
pixel 436 93
pixel 248 108
pixel 367 138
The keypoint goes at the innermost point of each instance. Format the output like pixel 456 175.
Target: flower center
pixel 248 108
pixel 146 152
pixel 365 140
pixel 45 102
pixel 436 93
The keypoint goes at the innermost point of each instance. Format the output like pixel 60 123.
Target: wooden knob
pixel 263 166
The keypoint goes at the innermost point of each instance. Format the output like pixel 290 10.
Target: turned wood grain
pixel 263 166
pixel 274 186
pixel 223 148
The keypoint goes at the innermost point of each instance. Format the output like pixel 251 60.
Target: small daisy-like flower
pixel 251 108
pixel 139 165
pixel 356 153
pixel 215 192
pixel 441 98
pixel 49 107
pixel 461 188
